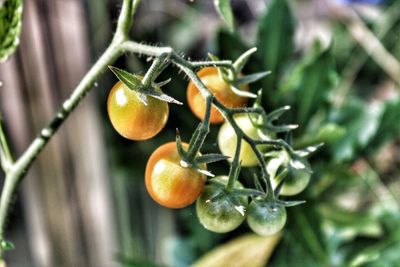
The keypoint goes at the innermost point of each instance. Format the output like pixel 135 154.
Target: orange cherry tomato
pixel 168 182
pixel 131 118
pixel 221 90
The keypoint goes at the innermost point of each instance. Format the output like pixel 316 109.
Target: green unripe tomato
pixel 265 217
pixel 220 215
pixel 296 181
pixel 227 140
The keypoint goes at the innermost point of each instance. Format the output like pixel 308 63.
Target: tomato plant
pixel 138 110
pixel 219 88
pixel 266 217
pixel 131 117
pixel 218 210
pixel 168 182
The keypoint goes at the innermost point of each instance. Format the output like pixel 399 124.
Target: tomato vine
pixel 162 57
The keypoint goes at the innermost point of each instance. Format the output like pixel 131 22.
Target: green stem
pixel 16 171
pixel 158 65
pixel 221 63
pixel 201 134
pixel 228 114
pixel 5 153
pixel 308 233
pixel 19 168
pixel 125 20
pixel 235 166
pixel 143 49
pixel 247 110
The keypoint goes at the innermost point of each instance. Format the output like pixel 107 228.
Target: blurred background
pixel 83 203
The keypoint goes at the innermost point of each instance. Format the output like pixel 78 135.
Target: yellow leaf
pixel 249 250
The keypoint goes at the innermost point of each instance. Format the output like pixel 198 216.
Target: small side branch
pixel 5 152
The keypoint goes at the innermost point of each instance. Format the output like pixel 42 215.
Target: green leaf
pixel 179 146
pixel 383 253
pixel 224 10
pixel 290 203
pixel 310 83
pixel 327 134
pixel 389 125
pixel 203 171
pixel 251 78
pixel 330 132
pixel 306 228
pixel 210 158
pixel 351 222
pixel 6 245
pixel 241 251
pixel 275 42
pixel 242 93
pixel 361 123
pixel 10 27
pixel 362 259
pixel 308 150
pixel 133 82
pixel 247 192
pixel 275 115
pixel 242 60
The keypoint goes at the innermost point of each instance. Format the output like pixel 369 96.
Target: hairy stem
pixel 21 165
pixel 159 64
pixel 229 115
pixel 128 9
pixel 16 171
pixel 164 55
pixel 203 130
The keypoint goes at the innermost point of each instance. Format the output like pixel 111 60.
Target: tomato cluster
pixel 222 211
pixel 175 180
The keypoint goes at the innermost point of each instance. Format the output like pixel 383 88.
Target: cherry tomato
pixel 296 181
pixel 131 118
pixel 168 182
pixel 227 140
pixel 265 217
pixel 218 210
pixel 221 90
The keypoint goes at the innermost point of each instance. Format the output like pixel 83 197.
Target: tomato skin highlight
pixel 227 141
pixel 266 218
pixel 131 118
pixel 220 215
pixel 219 88
pixel 167 182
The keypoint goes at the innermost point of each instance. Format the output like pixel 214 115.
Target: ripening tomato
pixel 216 210
pixel 266 217
pixel 168 182
pixel 131 118
pixel 227 140
pixel 219 88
